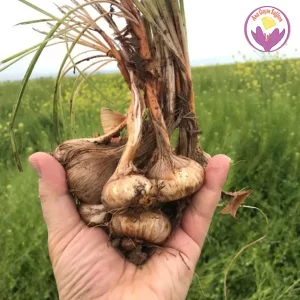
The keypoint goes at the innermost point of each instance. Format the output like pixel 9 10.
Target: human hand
pixel 86 267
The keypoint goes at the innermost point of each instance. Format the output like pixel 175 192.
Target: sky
pixel 215 33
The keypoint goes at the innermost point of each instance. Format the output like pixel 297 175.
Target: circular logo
pixel 267 29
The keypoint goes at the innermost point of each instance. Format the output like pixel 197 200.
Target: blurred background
pixel 247 106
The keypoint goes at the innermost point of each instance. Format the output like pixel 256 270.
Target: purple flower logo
pixel 267 29
pixel 267 41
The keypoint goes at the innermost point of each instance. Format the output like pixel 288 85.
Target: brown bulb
pixel 176 178
pixel 130 190
pixel 149 226
pixel 88 167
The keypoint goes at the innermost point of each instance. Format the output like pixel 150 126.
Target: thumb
pixel 59 208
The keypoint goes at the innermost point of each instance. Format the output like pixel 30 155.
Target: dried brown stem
pixel 162 135
pixel 116 54
pixel 134 127
pixel 170 87
pixel 151 95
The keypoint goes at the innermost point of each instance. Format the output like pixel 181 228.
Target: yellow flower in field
pixel 21 125
pixel 255 83
pixel 9 186
pixel 278 67
pixel 247 70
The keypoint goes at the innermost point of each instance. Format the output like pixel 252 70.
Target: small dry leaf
pixel 236 200
pixel 110 119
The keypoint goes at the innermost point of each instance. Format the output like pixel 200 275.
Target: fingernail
pixel 36 167
pixel 229 159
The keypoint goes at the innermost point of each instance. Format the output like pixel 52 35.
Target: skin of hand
pixel 87 267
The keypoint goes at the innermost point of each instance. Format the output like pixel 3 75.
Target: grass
pixel 247 111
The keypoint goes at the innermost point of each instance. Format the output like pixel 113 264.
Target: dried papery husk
pixel 88 167
pixel 110 119
pixel 127 191
pixel 151 227
pixel 93 214
pixel 175 177
pixel 69 149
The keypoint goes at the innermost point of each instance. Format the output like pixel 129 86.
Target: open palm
pixel 87 267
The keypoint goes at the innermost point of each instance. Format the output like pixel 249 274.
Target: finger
pixel 197 218
pixel 59 208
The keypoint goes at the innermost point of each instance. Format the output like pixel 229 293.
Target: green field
pixel 247 111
